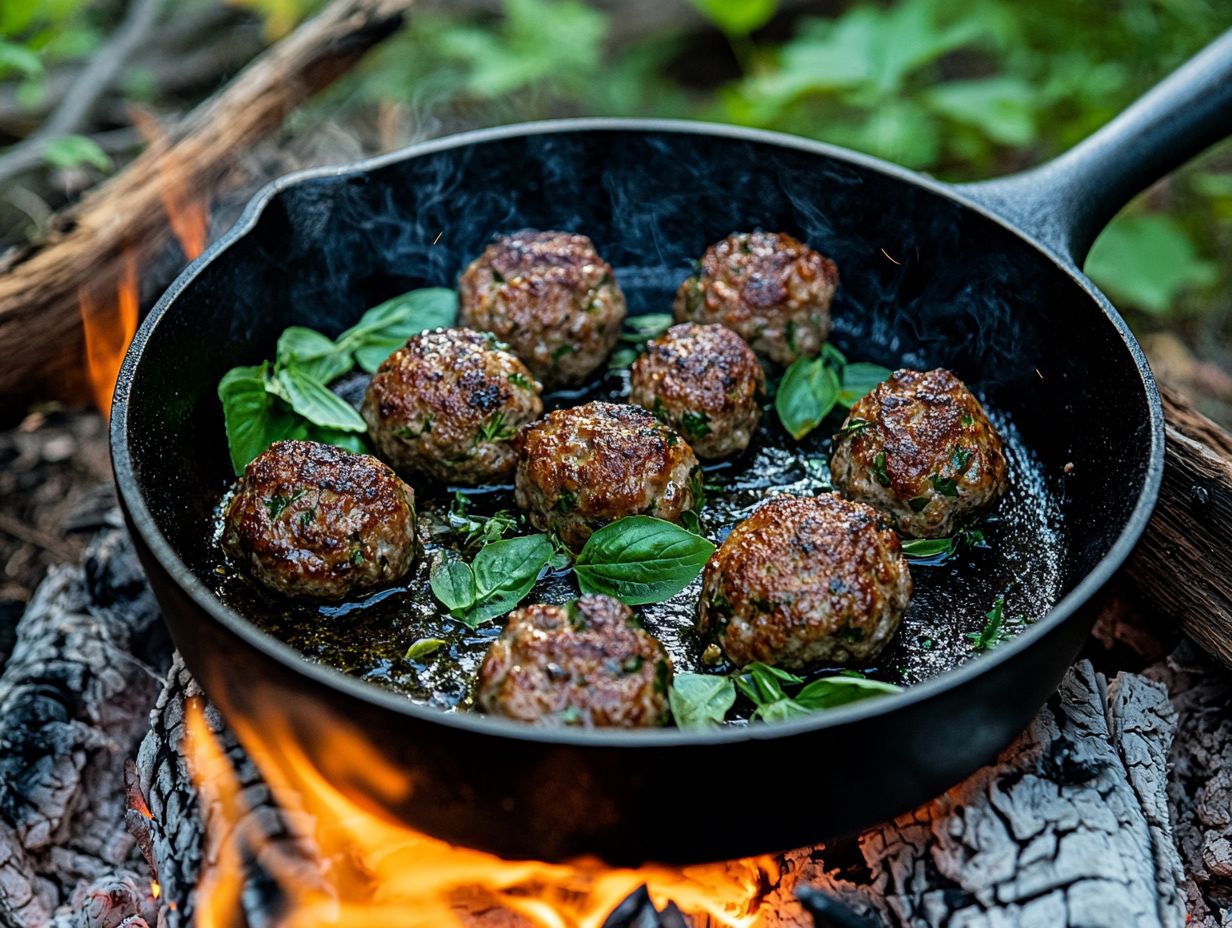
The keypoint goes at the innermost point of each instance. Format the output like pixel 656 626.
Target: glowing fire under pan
pixel 980 279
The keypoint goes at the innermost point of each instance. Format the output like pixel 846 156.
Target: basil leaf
pixel 995 630
pixel 806 394
pixel 385 328
pixel 640 559
pixel 504 573
pixel 699 700
pixel 254 417
pixel 645 327
pixel 859 380
pixel 780 710
pixel 928 547
pixel 313 353
pixel 314 401
pixel 453 583
pixel 423 647
pixel 763 684
pixel 829 692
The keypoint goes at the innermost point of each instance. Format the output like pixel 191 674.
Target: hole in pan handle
pixel 1065 202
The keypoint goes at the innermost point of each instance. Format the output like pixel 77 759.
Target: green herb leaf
pixel 314 401
pixel 423 647
pixel 879 469
pixel 314 354
pixel 919 503
pixel 453 583
pixel 504 573
pixel 642 328
pixel 852 427
pixel 640 559
pixel 829 692
pixel 385 328
pixel 928 547
pixel 805 396
pixel 859 380
pixel 944 485
pixel 996 628
pixel 700 700
pixel 763 684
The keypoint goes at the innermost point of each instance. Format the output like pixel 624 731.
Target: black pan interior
pixel 925 282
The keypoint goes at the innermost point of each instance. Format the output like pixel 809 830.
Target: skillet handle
pixel 1066 202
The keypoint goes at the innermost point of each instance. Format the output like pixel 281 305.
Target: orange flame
pixel 189 216
pixel 379 872
pixel 108 328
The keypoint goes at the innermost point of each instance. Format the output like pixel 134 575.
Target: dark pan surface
pixel 927 281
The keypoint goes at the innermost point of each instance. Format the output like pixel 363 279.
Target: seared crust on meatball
pixel 550 296
pixel 705 382
pixel 769 288
pixel 314 521
pixel 805 582
pixel 586 663
pixel 581 468
pixel 920 449
pixel 448 403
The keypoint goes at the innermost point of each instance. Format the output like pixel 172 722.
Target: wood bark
pixel 1181 565
pixel 40 328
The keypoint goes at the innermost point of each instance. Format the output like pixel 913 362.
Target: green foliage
pixel 499 578
pixel 737 18
pixel 1147 262
pixel 291 399
pixel 72 151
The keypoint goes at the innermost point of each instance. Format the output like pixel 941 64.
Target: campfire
pixel 128 800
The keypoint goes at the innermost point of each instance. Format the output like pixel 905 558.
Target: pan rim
pixel 472 723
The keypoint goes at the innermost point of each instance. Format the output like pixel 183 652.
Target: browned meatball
pixel 448 404
pixel 314 521
pixel 805 582
pixel 920 448
pixel 770 289
pixel 586 663
pixel 706 382
pixel 550 296
pixel 581 468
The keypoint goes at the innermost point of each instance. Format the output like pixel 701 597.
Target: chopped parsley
pixel 695 424
pixel 275 505
pixel 852 427
pixel 495 429
pixel 879 469
pixel 519 381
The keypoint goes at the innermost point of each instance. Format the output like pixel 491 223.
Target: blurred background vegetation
pixel 960 90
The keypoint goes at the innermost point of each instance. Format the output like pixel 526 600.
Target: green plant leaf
pixel 1001 108
pixel 504 572
pixel 840 690
pixel 423 647
pixel 453 583
pixel 640 559
pixel 385 328
pixel 924 548
pixel 19 58
pixel 1146 262
pixel 71 151
pixel 806 394
pixel 700 700
pixel 254 417
pixel 859 380
pixel 313 353
pixel 314 401
pixel 737 18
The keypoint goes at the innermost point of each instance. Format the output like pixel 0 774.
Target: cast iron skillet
pixel 984 280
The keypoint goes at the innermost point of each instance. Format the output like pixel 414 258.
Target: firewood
pixel 1179 566
pixel 41 341
pixel 74 698
pixel 1070 827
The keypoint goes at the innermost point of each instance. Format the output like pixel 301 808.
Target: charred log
pixel 74 699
